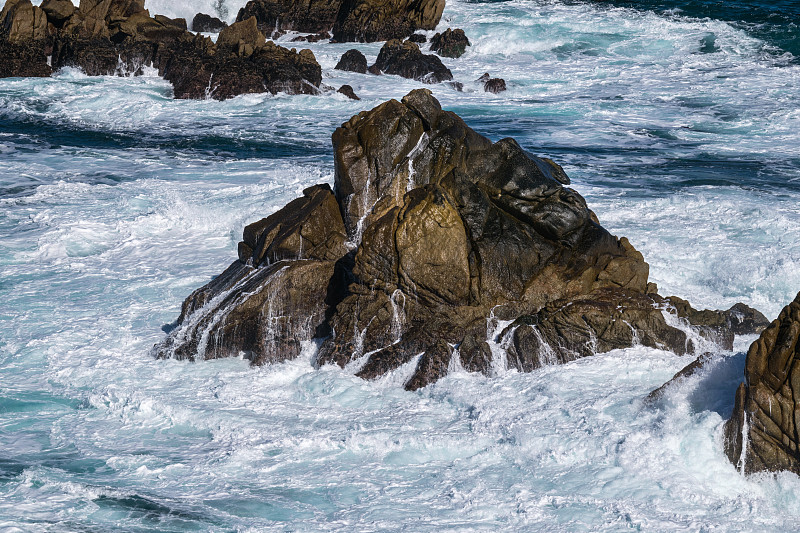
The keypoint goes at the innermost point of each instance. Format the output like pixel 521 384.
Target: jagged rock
pixel 21 21
pixel 58 11
pixel 223 75
pixel 494 85
pixel 417 38
pixel 106 37
pixel 348 92
pixel 274 296
pixel 356 20
pixel 120 9
pixel 352 61
pixel 207 24
pixel 450 43
pixel 405 59
pixel 762 433
pixel 314 38
pixel 607 319
pixel 686 372
pixel 434 235
pixel 382 20
pixel 739 319
pixel 242 35
pixel 306 16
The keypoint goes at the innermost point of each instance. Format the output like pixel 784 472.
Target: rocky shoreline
pixel 120 37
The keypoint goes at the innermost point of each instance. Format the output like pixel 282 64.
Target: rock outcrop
pixel 450 43
pixel 351 20
pixel 352 61
pixel 120 37
pixel 207 24
pixel 405 59
pixel 763 433
pixel 437 249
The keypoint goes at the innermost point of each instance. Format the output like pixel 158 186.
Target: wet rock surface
pixel 437 249
pixel 351 20
pixel 352 61
pixel 207 24
pixel 762 433
pixel 450 43
pixel 405 59
pixel 120 37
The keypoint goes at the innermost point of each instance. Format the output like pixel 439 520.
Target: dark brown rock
pixel 351 20
pixel 450 43
pixel 352 61
pixel 453 228
pixel 242 36
pixel 313 38
pixel 417 38
pixel 274 297
pixel 58 11
pixel 21 21
pixel 494 85
pixel 207 24
pixel 271 68
pixel 382 20
pixel 348 92
pixel 762 433
pixel 306 16
pixel 686 372
pixel 23 60
pixel 121 9
pixel 405 59
pixel 434 237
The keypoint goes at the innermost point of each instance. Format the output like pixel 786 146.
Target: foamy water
pixel 116 201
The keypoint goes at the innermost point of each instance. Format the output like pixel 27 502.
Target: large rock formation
pixel 763 432
pixel 351 20
pixel 438 248
pixel 120 37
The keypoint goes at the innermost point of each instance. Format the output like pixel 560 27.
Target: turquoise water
pixel 116 201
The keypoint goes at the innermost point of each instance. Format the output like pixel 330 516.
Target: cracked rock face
pixel 437 249
pixel 762 433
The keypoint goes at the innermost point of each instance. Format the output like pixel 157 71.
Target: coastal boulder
pixel 405 59
pixel 58 11
pixel 352 61
pixel 207 24
pixel 450 43
pixel 762 433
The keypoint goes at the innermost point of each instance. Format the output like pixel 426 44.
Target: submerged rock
pixel 450 43
pixel 355 20
pixel 437 249
pixel 120 37
pixel 405 59
pixel 762 433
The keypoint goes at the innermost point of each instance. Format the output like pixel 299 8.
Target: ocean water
pixel 680 125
